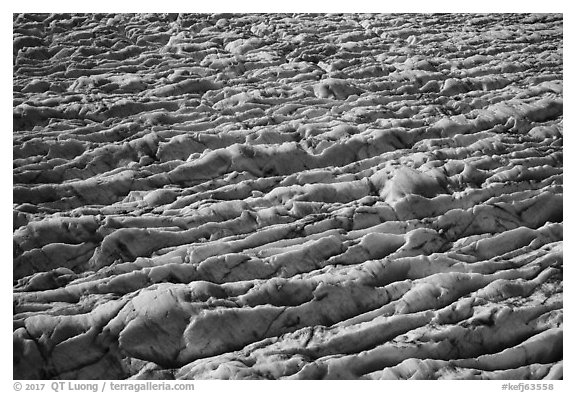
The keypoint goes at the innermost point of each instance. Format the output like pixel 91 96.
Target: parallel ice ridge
pixel 288 196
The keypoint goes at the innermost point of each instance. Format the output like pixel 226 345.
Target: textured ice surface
pixel 288 196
